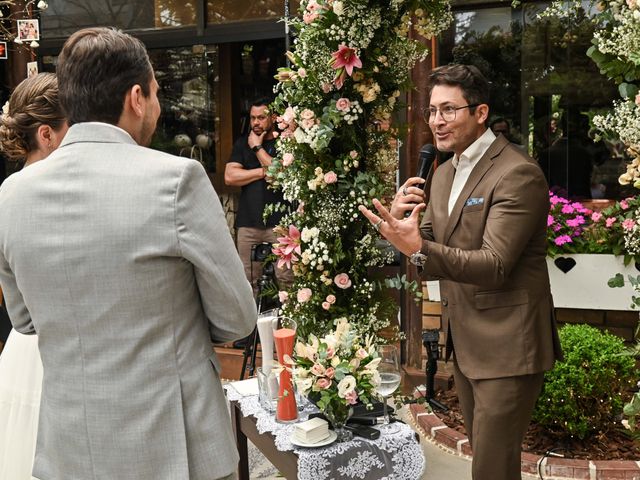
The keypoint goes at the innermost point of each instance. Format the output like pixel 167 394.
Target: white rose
pixel 346 385
pixel 338 8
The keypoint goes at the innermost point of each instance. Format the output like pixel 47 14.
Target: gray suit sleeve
pixel 205 241
pixel 16 308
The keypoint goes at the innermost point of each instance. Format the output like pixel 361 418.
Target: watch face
pixel 418 259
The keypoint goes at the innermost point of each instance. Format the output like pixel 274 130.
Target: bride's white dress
pixel 20 390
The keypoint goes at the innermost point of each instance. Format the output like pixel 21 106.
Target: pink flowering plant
pixel 349 63
pixel 337 370
pixel 573 228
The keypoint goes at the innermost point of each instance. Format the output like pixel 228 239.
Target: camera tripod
pixel 430 339
pixel 251 347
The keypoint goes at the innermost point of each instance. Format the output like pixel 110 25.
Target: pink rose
pixel 596 216
pixel 288 115
pixel 351 397
pixel 275 134
pixel 330 177
pixel 353 154
pixel 550 220
pixel 342 280
pixel 610 221
pixel 343 104
pixel 330 372
pixel 362 353
pixel 326 87
pixel 331 299
pixel 309 17
pixel 302 72
pixel 323 383
pixel 326 305
pixel 283 296
pixel 304 295
pixel 330 352
pixel 623 204
pixel 287 159
pixel 317 370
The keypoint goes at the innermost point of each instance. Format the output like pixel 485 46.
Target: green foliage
pixel 584 392
pixel 618 282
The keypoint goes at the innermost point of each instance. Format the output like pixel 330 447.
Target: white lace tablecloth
pixel 396 456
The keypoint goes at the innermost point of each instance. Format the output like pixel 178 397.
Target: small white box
pixel 311 431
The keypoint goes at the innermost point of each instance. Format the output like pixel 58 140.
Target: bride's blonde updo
pixel 33 103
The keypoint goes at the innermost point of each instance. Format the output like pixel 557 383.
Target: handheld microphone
pixel 427 156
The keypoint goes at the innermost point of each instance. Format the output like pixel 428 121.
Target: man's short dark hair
pixel 96 69
pixel 260 101
pixel 474 86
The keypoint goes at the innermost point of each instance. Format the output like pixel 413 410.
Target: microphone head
pixel 427 156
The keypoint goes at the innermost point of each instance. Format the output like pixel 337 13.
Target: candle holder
pixel 284 335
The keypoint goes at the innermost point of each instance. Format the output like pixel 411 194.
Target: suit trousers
pixel 249 236
pixel 496 413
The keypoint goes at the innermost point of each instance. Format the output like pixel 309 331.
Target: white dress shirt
pixel 465 163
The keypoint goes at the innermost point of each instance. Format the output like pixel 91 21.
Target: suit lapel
pixel 478 172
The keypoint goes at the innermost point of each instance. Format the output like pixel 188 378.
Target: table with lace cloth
pixel 396 456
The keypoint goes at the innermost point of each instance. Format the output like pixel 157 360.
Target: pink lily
pixel 288 249
pixel 344 61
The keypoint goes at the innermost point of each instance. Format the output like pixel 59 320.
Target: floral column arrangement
pixel 349 63
pixel 616 52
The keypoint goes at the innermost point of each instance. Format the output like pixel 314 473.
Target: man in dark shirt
pixel 246 168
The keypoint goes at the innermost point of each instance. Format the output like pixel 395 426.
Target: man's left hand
pixel 404 234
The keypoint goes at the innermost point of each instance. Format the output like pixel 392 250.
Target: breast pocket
pixel 472 208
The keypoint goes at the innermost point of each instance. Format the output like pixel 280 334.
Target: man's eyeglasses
pixel 448 113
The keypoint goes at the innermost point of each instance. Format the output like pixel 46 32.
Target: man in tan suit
pixel 483 236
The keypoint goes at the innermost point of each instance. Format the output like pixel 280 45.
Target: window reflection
pixel 546 87
pixel 222 11
pixel 188 79
pixel 63 17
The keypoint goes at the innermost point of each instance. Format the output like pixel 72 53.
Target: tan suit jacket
pixel 489 255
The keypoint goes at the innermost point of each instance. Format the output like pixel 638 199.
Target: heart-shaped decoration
pixel 565 264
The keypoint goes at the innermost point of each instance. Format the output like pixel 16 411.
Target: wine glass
pixel 389 369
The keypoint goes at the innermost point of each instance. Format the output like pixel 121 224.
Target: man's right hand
pixel 407 197
pixel 255 140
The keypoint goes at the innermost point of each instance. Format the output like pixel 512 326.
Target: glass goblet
pixel 389 369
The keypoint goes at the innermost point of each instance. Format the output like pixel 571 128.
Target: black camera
pixel 260 251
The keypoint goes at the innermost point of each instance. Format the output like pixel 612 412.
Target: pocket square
pixel 474 201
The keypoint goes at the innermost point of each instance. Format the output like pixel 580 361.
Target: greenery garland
pixel 349 63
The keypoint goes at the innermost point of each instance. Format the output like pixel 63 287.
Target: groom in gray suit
pixel 120 259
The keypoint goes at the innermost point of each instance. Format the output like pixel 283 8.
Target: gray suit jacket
pixel 490 256
pixel 120 259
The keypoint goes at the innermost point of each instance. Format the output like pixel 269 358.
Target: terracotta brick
pixel 416 408
pixel 529 463
pixel 449 437
pixel 427 422
pixel 616 469
pixel 466 449
pixel 616 318
pixel 571 315
pixel 567 467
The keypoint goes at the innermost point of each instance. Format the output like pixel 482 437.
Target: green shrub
pixel 583 393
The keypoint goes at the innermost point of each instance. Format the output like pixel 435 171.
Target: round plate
pixel 330 439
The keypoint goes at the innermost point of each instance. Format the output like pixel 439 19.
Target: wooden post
pixel 418 134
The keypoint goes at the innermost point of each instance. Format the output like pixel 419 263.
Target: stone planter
pixel 580 281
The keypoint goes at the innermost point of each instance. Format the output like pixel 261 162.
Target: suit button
pixel 445 302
